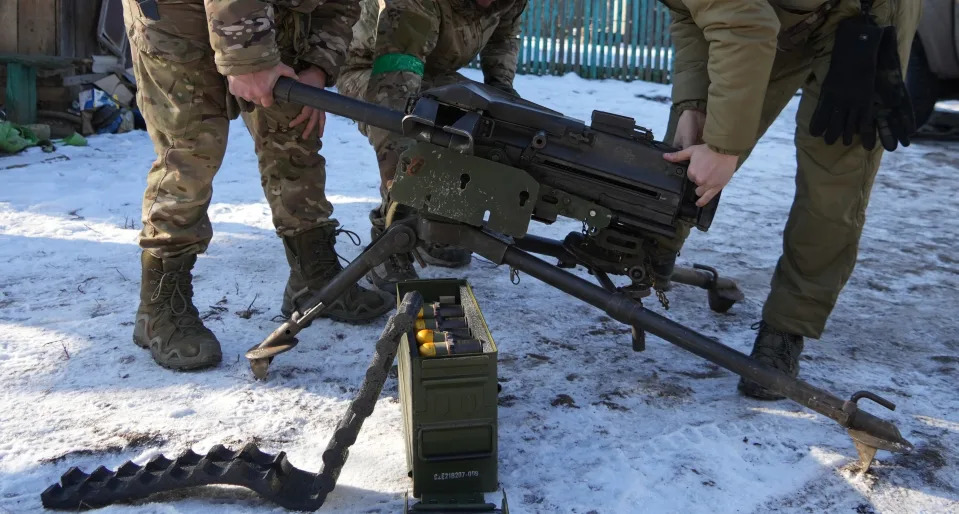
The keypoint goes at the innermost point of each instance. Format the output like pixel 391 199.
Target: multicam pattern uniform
pixel 726 59
pixel 180 61
pixel 443 35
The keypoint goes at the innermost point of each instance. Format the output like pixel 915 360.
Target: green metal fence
pixel 617 39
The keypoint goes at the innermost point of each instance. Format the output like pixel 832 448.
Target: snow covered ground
pixel 660 431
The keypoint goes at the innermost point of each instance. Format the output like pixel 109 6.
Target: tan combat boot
pixel 167 322
pixel 313 262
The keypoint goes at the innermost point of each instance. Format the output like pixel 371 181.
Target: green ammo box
pixel 449 404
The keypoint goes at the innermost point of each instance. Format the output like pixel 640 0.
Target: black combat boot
pixel 777 349
pixel 447 256
pixel 313 263
pixel 397 268
pixel 167 322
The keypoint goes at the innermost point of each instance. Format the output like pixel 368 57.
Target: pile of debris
pixel 90 96
pixel 106 102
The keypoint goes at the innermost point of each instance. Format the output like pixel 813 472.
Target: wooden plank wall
pixel 49 27
pixel 8 25
pixel 83 30
pixel 37 29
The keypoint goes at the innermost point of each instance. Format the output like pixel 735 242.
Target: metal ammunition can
pixel 449 404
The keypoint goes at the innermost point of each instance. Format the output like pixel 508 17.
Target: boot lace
pixel 354 238
pixel 174 293
pixel 785 355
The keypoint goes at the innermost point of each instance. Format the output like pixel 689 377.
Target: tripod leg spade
pixel 722 293
pixel 399 238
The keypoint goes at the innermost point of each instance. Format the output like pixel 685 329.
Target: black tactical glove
pixel 846 101
pixel 895 119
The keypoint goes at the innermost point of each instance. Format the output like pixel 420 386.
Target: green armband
pixel 397 62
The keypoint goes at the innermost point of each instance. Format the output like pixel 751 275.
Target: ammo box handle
pixel 459 456
pixel 432 382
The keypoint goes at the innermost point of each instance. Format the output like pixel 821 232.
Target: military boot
pixel 396 268
pixel 313 263
pixel 447 256
pixel 774 348
pixel 167 322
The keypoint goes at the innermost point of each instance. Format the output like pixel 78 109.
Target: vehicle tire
pixel 922 83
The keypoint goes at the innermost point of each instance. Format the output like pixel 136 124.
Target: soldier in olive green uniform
pixel 731 54
pixel 401 47
pixel 188 57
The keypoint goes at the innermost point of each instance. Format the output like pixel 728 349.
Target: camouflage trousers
pixel 833 183
pixel 184 101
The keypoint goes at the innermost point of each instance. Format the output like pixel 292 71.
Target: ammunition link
pixel 271 476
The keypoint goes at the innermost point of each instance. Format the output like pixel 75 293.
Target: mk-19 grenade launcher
pixel 488 159
pixel 517 161
pixel 482 165
pixel 485 163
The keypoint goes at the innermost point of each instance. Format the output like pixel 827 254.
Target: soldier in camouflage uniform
pixel 193 60
pixel 401 47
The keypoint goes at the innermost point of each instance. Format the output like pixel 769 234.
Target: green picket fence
pixel 599 39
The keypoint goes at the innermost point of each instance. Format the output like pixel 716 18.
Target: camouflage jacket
pixel 724 54
pixel 404 42
pixel 251 35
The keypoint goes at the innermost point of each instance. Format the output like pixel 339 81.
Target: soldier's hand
pixel 315 118
pixel 709 170
pixel 257 87
pixel 689 129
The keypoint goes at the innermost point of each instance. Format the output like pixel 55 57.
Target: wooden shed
pixel 63 30
pixel 50 27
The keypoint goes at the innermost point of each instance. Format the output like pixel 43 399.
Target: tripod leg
pixel 397 239
pixel 722 292
pixel 550 247
pixel 867 430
